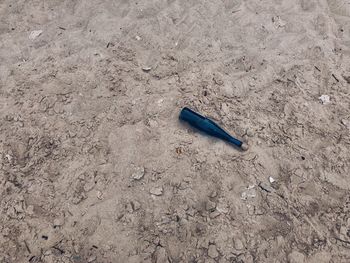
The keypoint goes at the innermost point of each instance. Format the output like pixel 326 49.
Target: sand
pixel 96 167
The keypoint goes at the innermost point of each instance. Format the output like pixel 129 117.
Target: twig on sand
pixel 342 240
pixel 335 77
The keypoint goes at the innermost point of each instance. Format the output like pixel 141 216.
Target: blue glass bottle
pixel 209 127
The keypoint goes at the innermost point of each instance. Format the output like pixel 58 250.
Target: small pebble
pixel 238 244
pixel 212 251
pixel 30 210
pixel 251 209
pixel 324 99
pixel 346 123
pixel 214 214
pixel 34 34
pixel 91 259
pixel 248 193
pixel 210 206
pixel 129 208
pixel 271 180
pixel 8 157
pixel 222 207
pixel 213 194
pixel 139 173
pixel 156 191
pixel 249 258
pixel 136 205
pixel 250 133
pixel 152 123
pixel 280 241
pixel 146 69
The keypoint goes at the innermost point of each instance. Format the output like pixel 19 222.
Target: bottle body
pixel 208 126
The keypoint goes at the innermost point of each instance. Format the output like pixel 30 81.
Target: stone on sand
pixel 212 251
pixel 138 173
pixel 156 191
